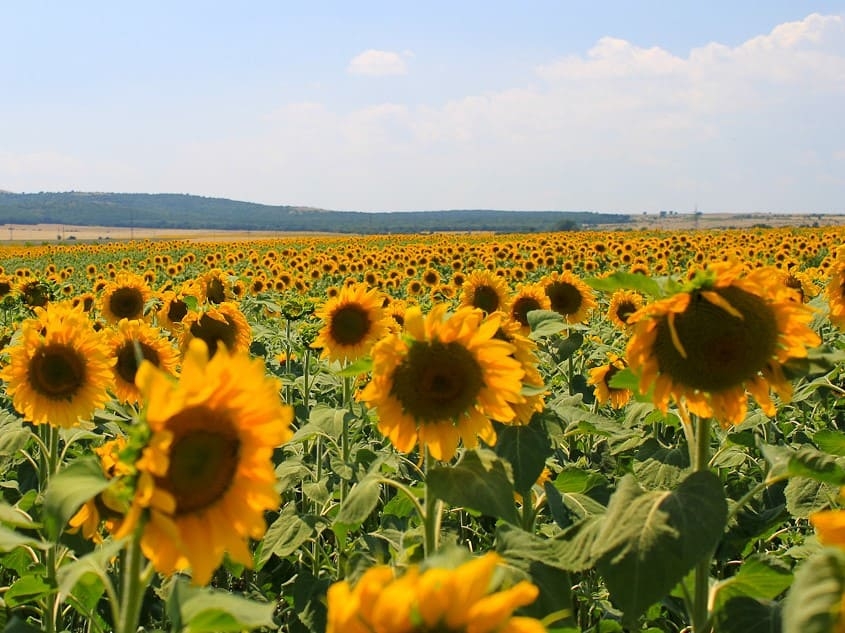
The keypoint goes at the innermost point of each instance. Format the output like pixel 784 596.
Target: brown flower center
pixel 349 324
pixel 57 372
pixel 127 360
pixel 722 350
pixel 127 303
pixel 437 381
pixel 214 332
pixel 203 460
pixel 564 297
pixel 486 298
pixel 522 306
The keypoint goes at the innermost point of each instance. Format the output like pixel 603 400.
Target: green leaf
pixel 747 615
pixel 10 515
pixel 815 598
pixel 286 534
pixel 758 578
pixel 206 610
pixel 566 347
pixel 831 441
pixel 96 563
pixel 323 420
pixel 545 323
pixel 526 448
pixel 805 496
pixel 650 540
pixel 69 489
pixel 480 481
pixel 576 480
pixel 621 280
pixel 26 589
pixel 13 435
pixel 819 360
pixel 625 379
pixel 809 462
pixel 659 466
pixel 360 366
pixel 360 503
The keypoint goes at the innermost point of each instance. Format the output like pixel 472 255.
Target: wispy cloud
pixel 379 63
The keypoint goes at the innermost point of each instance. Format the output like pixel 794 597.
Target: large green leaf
pixel 805 496
pixel 286 534
pixel 480 481
pixel 747 615
pixel 78 482
pixel 815 598
pixel 545 323
pixel 831 441
pixel 758 578
pixel 201 610
pixel 650 540
pixel 621 280
pixel 526 448
pixel 360 503
pixel 660 466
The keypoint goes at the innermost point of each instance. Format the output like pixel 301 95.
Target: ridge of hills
pixel 184 211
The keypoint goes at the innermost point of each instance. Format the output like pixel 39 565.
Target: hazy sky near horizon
pixel 610 105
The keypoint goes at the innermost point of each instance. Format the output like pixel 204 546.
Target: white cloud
pixel 379 63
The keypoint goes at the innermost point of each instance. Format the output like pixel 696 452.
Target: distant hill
pixel 184 211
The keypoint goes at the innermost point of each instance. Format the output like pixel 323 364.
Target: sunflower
pixel 528 298
pixel 623 303
pixel 206 476
pixel 127 340
pixel 836 290
pixel 442 380
pixel 486 290
pixel 600 378
pixel 353 321
pixel 801 283
pixel 214 287
pixel 445 600
pixel 726 334
pixel 525 351
pixel 106 507
pixel 220 324
pixel 569 296
pixel 59 370
pixel 125 297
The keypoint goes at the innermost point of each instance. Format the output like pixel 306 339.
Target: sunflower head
pixel 58 370
pixel 131 343
pixel 485 290
pixel 529 297
pixel 569 296
pixel 600 378
pixel 352 322
pixel 469 597
pixel 218 326
pixel 727 333
pixel 206 476
pixel 443 379
pixel 125 297
pixel 623 304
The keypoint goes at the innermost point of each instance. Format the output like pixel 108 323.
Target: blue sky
pixel 605 106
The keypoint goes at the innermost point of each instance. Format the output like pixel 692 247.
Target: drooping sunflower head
pixel 58 371
pixel 529 297
pixel 600 378
pixel 352 322
pixel 215 287
pixel 485 290
pixel 206 475
pixel 726 334
pixel 125 297
pixel 134 341
pixel 443 379
pixel 36 293
pixel 800 283
pixel 569 296
pixel 223 325
pixel 623 304
pixel 524 351
pixel 436 599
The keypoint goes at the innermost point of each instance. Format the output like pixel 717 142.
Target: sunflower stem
pixel 431 519
pixel 701 622
pixel 48 440
pixel 133 583
pixel 344 437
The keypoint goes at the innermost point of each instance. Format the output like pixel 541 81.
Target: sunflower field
pixel 449 433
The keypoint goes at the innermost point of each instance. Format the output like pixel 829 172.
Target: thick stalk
pixel 431 519
pixel 701 593
pixel 133 585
